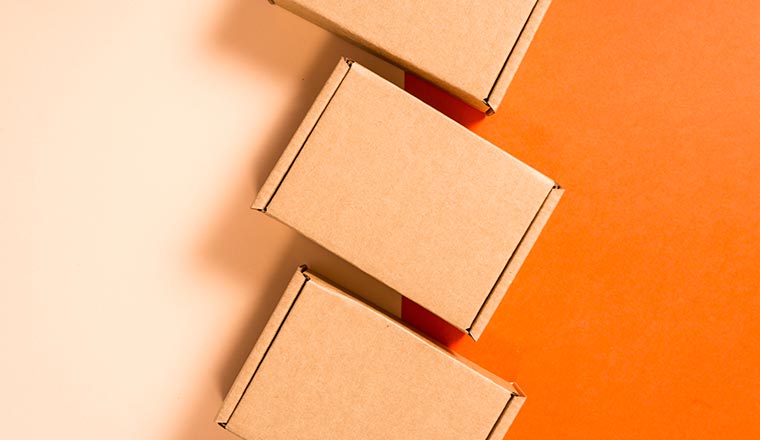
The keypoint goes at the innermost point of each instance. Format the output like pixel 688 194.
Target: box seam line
pixel 501 416
pixel 306 139
pixel 506 60
pixel 307 278
pixel 509 260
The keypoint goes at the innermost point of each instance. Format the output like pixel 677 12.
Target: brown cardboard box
pixel 409 196
pixel 471 48
pixel 328 366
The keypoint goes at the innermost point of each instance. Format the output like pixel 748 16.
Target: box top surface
pixel 337 368
pixel 461 44
pixel 407 195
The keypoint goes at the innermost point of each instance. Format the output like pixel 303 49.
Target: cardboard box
pixel 409 196
pixel 470 48
pixel 328 366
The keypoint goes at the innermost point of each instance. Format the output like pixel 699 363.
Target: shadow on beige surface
pixel 245 245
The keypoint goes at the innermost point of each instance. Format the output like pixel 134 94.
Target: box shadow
pixel 247 246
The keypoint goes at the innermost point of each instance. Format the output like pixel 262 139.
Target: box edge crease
pixel 515 261
pixel 260 349
pixel 301 136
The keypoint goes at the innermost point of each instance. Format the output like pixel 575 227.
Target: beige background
pixel 133 138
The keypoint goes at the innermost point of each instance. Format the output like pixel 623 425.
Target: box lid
pixel 469 47
pixel 330 366
pixel 409 196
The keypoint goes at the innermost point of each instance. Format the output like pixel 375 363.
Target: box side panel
pixel 261 347
pixel 514 263
pixel 518 53
pixel 301 135
pixel 507 417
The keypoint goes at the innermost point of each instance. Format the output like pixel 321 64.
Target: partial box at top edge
pixel 329 366
pixel 470 48
pixel 409 196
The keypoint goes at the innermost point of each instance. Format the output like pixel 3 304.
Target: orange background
pixel 636 314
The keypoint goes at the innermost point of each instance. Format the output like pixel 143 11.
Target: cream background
pixel 133 137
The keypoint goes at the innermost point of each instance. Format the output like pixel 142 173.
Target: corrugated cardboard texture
pixel 469 47
pixel 407 195
pixel 331 367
